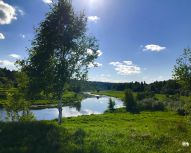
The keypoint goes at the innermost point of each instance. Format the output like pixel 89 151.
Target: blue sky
pixel 139 39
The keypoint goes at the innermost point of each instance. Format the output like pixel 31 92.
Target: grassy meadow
pixel 118 132
pixel 121 95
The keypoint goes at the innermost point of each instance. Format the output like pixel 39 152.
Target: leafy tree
pixel 16 107
pixel 182 69
pixel 129 101
pixel 111 104
pixel 61 51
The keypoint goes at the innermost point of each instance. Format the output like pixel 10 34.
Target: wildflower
pixel 185 144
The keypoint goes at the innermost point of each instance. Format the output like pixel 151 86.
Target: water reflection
pixel 86 107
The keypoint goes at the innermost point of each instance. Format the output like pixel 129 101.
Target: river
pixel 88 106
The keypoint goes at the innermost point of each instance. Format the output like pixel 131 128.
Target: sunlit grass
pixel 148 132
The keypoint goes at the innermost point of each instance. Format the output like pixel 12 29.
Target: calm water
pixel 88 106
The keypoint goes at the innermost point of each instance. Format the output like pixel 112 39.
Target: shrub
pixel 17 108
pixel 158 106
pixel 151 104
pixel 143 95
pixel 129 101
pixel 182 111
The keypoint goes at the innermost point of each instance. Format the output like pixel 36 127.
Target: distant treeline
pixel 164 87
pixel 8 80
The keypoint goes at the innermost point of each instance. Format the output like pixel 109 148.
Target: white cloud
pixel 7 64
pixel 47 1
pixel 154 48
pixel 126 68
pixel 21 12
pixel 16 56
pixel 2 36
pixel 95 64
pixel 7 13
pixel 23 36
pixel 93 18
pixel 99 52
pixel 128 62
pixel 115 63
pixel 89 52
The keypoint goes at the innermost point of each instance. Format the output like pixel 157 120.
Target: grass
pixel 112 93
pixel 148 132
pixel 120 95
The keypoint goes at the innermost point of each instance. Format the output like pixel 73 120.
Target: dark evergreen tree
pixel 129 101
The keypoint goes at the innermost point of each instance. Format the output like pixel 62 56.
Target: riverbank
pixel 121 95
pixel 147 132
pixel 69 98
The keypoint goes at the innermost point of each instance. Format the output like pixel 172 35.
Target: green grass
pixel 120 95
pixel 148 132
pixel 117 94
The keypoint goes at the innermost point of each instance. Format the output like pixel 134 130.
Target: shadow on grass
pixel 42 137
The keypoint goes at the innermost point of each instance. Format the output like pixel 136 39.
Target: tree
pixel 61 51
pixel 182 70
pixel 16 107
pixel 129 101
pixel 111 104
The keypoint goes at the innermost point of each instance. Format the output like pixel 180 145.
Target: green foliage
pixel 151 104
pixel 111 105
pixel 147 132
pixel 182 70
pixel 154 102
pixel 7 78
pixel 17 108
pixel 143 95
pixel 184 109
pixel 129 101
pixel 59 50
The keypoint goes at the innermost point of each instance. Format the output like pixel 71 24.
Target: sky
pixel 139 40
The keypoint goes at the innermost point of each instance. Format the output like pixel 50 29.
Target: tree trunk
pixel 60 111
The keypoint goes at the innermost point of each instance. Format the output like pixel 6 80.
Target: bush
pixel 182 112
pixel 151 104
pixel 158 106
pixel 17 108
pixel 129 101
pixel 143 95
